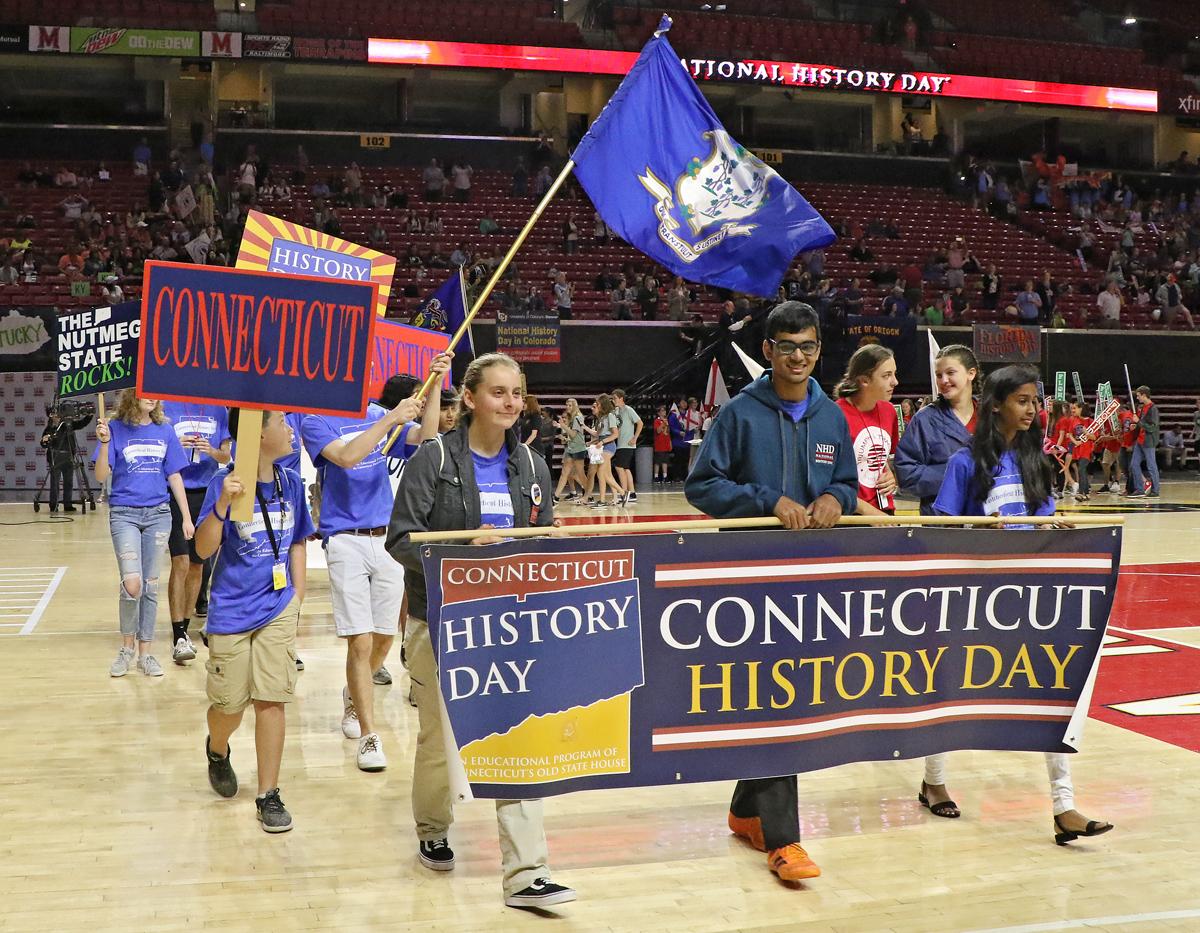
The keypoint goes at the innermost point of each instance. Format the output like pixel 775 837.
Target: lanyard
pixel 266 516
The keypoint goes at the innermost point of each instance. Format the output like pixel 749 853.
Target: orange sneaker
pixel 749 828
pixel 791 863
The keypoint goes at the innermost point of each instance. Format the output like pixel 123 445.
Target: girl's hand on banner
pixel 231 488
pixel 556 530
pixel 793 515
pixel 103 435
pixel 487 539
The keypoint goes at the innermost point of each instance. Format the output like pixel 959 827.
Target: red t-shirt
pixel 1064 431
pixel 1083 449
pixel 874 435
pixel 662 436
pixel 1128 429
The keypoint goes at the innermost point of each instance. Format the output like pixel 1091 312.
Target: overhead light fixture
pixel 1130 21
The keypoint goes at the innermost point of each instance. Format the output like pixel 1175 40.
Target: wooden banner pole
pixel 495 279
pixel 702 524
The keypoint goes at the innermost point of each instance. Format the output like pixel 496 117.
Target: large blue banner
pixel 569 665
pixel 256 339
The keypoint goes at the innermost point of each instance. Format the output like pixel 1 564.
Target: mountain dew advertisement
pixel 639 660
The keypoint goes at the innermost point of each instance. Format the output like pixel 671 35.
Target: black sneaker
pixel 272 813
pixel 202 609
pixel 220 771
pixel 632 497
pixel 436 854
pixel 382 677
pixel 299 664
pixel 542 893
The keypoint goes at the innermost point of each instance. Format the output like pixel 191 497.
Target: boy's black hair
pixel 792 317
pixel 988 444
pixel 397 389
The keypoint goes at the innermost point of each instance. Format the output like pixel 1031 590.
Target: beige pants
pixel 523 851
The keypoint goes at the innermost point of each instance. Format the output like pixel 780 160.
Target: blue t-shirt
pixel 491 476
pixel 795 410
pixel 1007 498
pixel 406 445
pixel 243 596
pixel 292 461
pixel 209 421
pixel 142 456
pixel 360 497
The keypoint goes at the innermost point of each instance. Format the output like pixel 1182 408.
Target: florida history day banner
pixel 568 665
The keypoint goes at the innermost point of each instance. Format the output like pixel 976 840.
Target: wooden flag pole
pixel 495 279
pixel 100 413
pixel 701 524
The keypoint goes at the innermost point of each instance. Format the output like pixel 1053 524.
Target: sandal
pixel 1093 828
pixel 946 808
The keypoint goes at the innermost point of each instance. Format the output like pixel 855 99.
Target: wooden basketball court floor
pixel 107 821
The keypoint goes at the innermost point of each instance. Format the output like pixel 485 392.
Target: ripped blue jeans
pixel 139 535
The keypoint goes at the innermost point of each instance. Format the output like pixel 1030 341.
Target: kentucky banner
pixel 27 339
pixel 569 665
pixel 667 177
pixel 273 245
pixel 97 349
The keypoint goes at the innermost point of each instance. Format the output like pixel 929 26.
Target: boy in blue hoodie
pixel 781 448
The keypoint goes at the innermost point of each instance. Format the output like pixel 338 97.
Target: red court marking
pixel 1154 596
pixel 1126 678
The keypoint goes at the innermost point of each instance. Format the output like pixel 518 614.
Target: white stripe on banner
pixel 716 574
pixel 735 735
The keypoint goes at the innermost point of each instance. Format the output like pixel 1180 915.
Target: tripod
pixel 78 468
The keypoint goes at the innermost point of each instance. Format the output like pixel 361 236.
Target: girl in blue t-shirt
pixel 139 450
pixel 1004 472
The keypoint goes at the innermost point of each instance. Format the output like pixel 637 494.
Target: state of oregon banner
pixel 569 665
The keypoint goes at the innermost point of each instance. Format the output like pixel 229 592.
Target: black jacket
pixel 438 493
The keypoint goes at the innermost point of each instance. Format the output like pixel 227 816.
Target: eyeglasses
pixel 788 347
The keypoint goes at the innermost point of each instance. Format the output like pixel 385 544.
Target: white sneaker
pixel 120 664
pixel 370 753
pixel 184 650
pixel 149 666
pixel 350 726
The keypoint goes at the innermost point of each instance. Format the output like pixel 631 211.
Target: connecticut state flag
pixel 665 175
pixel 446 309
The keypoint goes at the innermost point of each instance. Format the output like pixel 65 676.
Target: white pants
pixel 1058 767
pixel 366 585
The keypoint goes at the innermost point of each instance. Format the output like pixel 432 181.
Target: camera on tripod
pixel 64 460
pixel 72 409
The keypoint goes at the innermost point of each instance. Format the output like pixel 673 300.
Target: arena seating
pixel 523 22
pixel 927 219
pixel 146 14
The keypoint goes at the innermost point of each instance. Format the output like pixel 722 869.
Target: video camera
pixel 72 409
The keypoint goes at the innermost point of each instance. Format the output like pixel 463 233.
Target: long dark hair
pixel 988 443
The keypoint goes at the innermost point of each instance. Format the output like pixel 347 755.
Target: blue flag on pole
pixel 667 177
pixel 446 309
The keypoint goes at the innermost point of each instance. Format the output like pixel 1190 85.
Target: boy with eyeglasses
pixel 781 447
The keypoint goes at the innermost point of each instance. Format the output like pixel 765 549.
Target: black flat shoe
pixel 1094 828
pixel 947 808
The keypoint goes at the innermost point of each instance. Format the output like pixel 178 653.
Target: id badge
pixel 279 576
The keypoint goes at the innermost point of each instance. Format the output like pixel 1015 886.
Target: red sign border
pixel 257 406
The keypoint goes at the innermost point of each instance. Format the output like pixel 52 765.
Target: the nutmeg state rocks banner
pixel 640 660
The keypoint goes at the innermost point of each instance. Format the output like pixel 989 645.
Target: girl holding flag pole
pixel 1004 472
